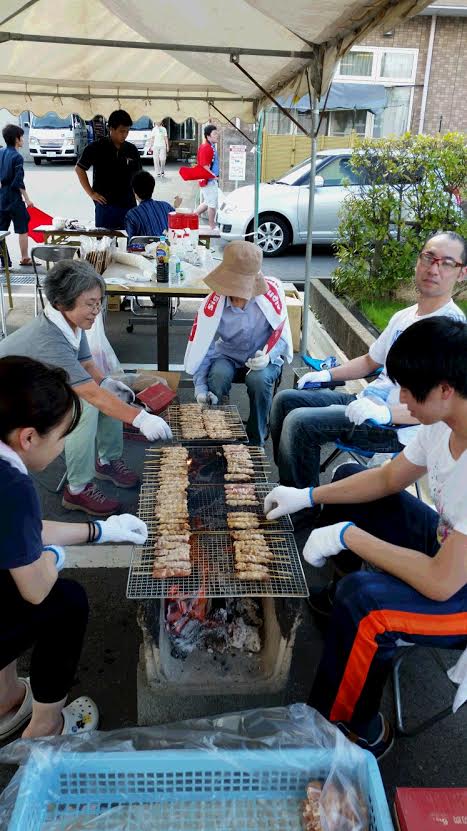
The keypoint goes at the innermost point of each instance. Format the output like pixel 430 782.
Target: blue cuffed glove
pixel 60 555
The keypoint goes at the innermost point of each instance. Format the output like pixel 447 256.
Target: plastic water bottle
pixel 174 269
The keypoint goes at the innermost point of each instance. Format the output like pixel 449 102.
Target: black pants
pixel 54 629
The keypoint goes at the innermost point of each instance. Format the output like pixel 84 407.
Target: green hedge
pixel 407 192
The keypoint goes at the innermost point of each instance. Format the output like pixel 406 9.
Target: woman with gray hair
pixel 57 337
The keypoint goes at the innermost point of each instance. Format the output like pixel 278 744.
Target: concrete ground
pixel 108 666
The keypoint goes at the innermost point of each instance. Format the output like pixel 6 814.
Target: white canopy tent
pixel 181 59
pixel 156 70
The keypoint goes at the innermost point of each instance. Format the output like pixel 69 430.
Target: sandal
pixel 27 261
pixel 81 716
pixel 9 724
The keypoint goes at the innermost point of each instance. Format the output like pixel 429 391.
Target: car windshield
pixel 143 123
pixel 51 121
pixel 296 173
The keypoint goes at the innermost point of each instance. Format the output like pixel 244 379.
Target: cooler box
pixel 431 809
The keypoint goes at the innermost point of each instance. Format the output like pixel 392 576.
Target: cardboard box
pixel 139 379
pixel 430 809
pixel 113 303
pixel 294 311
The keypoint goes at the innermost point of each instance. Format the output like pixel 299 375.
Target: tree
pixel 410 187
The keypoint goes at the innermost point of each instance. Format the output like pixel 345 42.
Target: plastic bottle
pixel 162 251
pixel 174 270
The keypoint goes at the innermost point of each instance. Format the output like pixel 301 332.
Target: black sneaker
pixel 378 748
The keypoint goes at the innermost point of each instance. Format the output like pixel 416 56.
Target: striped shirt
pixel 150 218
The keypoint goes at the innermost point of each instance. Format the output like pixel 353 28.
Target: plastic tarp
pixel 344 96
pixel 96 79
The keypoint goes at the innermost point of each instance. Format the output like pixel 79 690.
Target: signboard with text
pixel 237 162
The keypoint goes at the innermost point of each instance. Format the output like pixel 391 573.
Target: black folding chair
pixel 48 254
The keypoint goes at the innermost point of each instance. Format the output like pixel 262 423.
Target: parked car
pixel 283 205
pixel 140 136
pixel 52 137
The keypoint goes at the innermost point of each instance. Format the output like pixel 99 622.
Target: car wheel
pixel 273 234
pixel 37 161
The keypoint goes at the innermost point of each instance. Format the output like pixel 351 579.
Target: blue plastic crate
pixel 180 790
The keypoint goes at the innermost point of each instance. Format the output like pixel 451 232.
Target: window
pixel 338 171
pixel 377 63
pixel 397 65
pixel 394 119
pixel 357 64
pixel 344 122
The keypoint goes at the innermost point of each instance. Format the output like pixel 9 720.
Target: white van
pixel 140 136
pixel 52 137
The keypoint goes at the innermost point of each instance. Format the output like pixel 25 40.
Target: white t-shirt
pixel 159 135
pixel 383 388
pixel 447 477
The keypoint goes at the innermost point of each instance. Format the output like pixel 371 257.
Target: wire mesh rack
pixel 213 571
pixel 206 465
pixel 236 428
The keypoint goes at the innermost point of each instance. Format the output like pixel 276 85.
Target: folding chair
pixel 138 243
pixel 404 653
pixel 48 254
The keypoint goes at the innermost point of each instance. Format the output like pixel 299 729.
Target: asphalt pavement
pixel 54 188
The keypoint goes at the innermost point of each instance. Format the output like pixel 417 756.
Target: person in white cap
pixel 241 333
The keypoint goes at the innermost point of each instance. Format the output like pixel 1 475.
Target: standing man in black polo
pixel 114 162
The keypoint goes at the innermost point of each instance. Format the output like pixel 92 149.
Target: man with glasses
pixel 303 420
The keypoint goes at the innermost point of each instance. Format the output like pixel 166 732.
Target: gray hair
pixel 68 279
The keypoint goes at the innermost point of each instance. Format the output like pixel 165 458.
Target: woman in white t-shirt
pixel 370 519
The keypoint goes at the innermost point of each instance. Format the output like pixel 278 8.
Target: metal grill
pixel 234 422
pixel 208 509
pixel 213 573
pixel 207 465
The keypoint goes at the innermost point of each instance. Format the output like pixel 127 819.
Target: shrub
pixel 409 189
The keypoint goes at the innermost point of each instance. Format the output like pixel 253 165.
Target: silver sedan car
pixel 283 205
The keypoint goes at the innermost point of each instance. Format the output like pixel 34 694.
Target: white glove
pixel 282 500
pixel 321 377
pixel 119 389
pixel 60 555
pixel 364 408
pixel 122 528
pixel 325 542
pixel 152 426
pixel 259 361
pixel 207 398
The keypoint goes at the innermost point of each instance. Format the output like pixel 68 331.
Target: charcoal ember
pixel 182 644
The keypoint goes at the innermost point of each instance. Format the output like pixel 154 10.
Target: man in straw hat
pixel 241 333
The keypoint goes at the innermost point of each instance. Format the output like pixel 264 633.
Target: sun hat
pixel 239 274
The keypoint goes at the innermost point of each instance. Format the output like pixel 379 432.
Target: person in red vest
pixel 207 157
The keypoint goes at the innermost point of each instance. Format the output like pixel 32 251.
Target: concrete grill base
pixel 207 682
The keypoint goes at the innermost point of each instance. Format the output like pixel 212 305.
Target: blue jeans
pixel 303 420
pixel 260 388
pixel 373 610
pixel 111 216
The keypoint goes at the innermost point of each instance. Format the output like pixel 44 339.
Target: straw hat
pixel 239 274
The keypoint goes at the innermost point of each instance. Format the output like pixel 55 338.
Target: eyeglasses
pixel 94 306
pixel 446 264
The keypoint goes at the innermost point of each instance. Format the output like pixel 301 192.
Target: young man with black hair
pixel 207 157
pixel 114 161
pixel 303 420
pixel 413 586
pixel 151 216
pixel 13 196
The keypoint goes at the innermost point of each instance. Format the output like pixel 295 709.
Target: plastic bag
pixel 98 252
pixel 103 354
pixel 261 762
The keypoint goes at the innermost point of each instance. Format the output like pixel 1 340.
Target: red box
pixel 157 397
pixel 178 221
pixel 431 809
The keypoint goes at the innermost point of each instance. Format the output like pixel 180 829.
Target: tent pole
pixel 311 208
pixel 259 143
